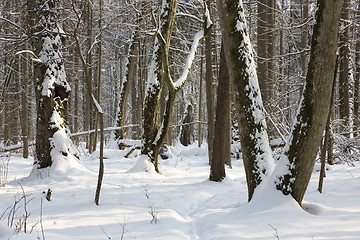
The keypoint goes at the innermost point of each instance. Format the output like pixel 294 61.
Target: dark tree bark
pixel 186 129
pixel 325 147
pixel 88 72
pixel 126 84
pixel 300 152
pixel 357 85
pixel 154 133
pixel 221 152
pixel 52 89
pixel 239 54
pixel 25 105
pixel 209 81
pixel 155 82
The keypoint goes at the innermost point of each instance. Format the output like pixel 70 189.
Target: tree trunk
pixel 99 74
pixel 25 104
pixel 200 109
pixel 155 79
pixel 262 46
pixel 344 72
pixel 89 120
pixel 270 54
pixel 221 152
pixel 255 147
pixel 152 143
pixel 52 89
pixel 325 147
pixel 209 90
pixel 101 160
pixel 186 129
pixel 301 150
pixel 126 84
pixel 357 84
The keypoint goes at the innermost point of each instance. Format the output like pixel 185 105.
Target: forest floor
pixel 178 204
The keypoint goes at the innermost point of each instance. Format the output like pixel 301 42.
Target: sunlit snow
pixel 187 205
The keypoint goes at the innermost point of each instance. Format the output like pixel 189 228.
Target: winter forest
pixel 179 119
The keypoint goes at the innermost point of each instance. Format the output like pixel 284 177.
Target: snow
pixel 264 161
pixel 187 205
pixel 52 58
pixel 152 80
pixel 50 54
pixel 97 105
pixel 181 81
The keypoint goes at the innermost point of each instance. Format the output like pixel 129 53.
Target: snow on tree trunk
pixel 126 84
pixel 298 158
pixel 256 152
pixel 155 79
pixel 53 145
pixel 160 67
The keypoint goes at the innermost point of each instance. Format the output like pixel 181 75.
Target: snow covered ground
pixel 179 204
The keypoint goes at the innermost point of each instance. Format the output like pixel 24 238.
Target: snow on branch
pixel 198 36
pixel 180 82
pixel 97 105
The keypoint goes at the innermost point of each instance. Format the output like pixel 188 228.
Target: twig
pixel 104 232
pixel 41 224
pixel 276 232
pixel 154 212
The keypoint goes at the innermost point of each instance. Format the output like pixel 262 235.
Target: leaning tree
pixel 297 160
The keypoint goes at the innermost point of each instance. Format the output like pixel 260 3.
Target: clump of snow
pixel 63 152
pixel 52 58
pixel 143 165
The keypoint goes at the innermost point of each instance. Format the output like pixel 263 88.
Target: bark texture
pixel 52 89
pixel 239 54
pixel 344 71
pixel 301 150
pixel 221 152
pixel 155 81
pixel 126 84
pixel 186 129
